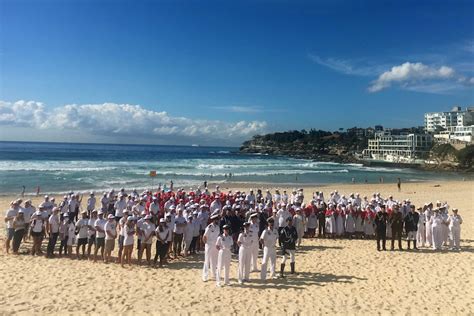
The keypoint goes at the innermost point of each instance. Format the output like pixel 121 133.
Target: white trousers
pixel 421 235
pixel 292 256
pixel 187 244
pixel 429 234
pixel 455 237
pixel 300 233
pixel 210 261
pixel 437 234
pixel 269 253
pixel 254 255
pixel 223 262
pixel 244 263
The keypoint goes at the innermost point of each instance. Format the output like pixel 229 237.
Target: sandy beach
pixel 341 276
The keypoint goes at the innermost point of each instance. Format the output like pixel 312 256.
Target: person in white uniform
pixel 245 241
pixel 254 228
pixel 421 233
pixel 454 224
pixel 268 238
pixel 437 230
pixel 209 238
pixel 224 246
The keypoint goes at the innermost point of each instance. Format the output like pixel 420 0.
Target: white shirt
pixel 27 213
pixel 154 208
pixel 177 228
pixel 91 203
pixel 282 217
pixel 37 223
pixel 119 207
pixel 269 237
pixel 12 214
pixel 101 224
pixel 91 225
pixel 148 229
pixel 225 243
pixel 129 232
pixel 211 233
pixel 245 240
pixel 122 226
pixel 110 226
pixel 164 235
pixel 54 224
pixel 82 225
pixel 454 221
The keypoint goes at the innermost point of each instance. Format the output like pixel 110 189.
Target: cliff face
pixel 448 157
pixel 323 150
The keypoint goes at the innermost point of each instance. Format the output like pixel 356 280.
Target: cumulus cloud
pixel 111 119
pixel 409 73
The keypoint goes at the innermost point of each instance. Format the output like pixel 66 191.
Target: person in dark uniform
pixel 321 223
pixel 288 238
pixel 381 227
pixel 397 228
pixel 411 226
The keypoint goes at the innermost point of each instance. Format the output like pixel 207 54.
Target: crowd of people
pixel 183 223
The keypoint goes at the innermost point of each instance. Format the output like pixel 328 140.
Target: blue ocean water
pixel 62 167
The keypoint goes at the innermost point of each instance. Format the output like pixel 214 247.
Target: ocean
pixel 64 167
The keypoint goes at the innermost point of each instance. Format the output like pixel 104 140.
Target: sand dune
pixel 335 276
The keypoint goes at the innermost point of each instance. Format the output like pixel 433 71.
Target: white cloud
pixel 111 119
pixel 411 75
pixel 239 109
pixel 347 67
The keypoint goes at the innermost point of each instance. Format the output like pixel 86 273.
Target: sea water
pixel 63 167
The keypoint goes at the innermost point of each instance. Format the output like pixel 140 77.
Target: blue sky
pixel 217 72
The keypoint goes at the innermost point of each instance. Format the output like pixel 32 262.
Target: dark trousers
pixel 161 251
pixel 53 238
pixel 192 247
pixel 381 236
pixel 321 228
pixel 63 246
pixel 177 242
pixel 17 237
pixel 397 234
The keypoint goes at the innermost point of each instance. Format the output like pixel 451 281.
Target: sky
pixel 219 72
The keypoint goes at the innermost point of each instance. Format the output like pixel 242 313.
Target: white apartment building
pixel 398 148
pixel 436 121
pixel 456 134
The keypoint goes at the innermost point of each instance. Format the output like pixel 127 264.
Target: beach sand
pixel 334 276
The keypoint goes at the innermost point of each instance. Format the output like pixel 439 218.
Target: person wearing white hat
pixel 299 223
pixel 210 251
pixel 254 229
pixel 154 210
pixel 436 230
pixel 428 215
pixel 162 232
pixel 52 228
pixel 245 241
pixel 268 239
pixel 71 235
pixel 19 227
pixel 148 231
pixel 9 217
pixel 128 241
pixel 454 224
pixel 179 226
pixel 99 226
pixel 224 246
pixel 82 232
pixel 91 201
pixel 91 233
pixel 28 211
pixel 421 233
pixel 37 231
pixel 196 233
pixel 110 228
pixel 188 232
pixel 119 207
pixel 288 237
pixel 63 234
